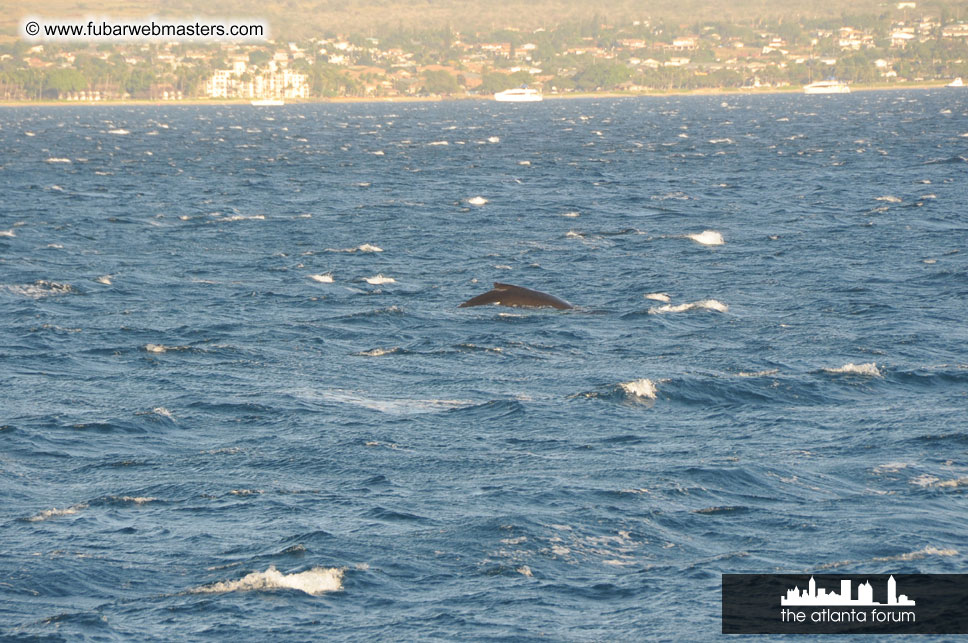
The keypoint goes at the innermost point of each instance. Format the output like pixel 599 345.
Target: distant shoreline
pixel 441 99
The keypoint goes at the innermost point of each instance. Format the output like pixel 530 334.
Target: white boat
pixel 518 95
pixel 268 102
pixel 827 87
pixel 957 82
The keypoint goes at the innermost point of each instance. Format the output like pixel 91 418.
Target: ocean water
pixel 238 399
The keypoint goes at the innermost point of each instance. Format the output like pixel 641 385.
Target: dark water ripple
pixel 239 399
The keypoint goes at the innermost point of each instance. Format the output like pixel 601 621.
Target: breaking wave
pixel 705 304
pixel 857 369
pixel 316 581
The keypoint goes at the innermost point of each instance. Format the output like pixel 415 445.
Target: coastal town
pixel 904 46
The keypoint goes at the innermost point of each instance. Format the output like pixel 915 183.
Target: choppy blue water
pixel 238 399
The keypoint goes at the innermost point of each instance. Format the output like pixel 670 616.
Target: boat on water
pixel 518 95
pixel 957 82
pixel 827 87
pixel 268 102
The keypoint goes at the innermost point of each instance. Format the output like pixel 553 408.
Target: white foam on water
pixel 574 234
pixel 378 352
pixel 392 406
pixel 119 131
pixel 717 141
pixel 857 369
pixel 138 500
pixel 104 279
pixel 162 411
pixel 40 289
pixel 378 153
pixel 930 261
pixel 438 143
pixel 493 139
pixel 524 163
pixel 890 467
pixel 53 513
pixel 707 238
pixel 316 581
pixel 921 553
pixel 161 348
pixel 644 388
pixel 477 200
pixel 242 217
pixel 705 304
pixel 927 480
pixel 889 199
pixel 658 296
pixel 770 371
pixel 366 247
pixel 323 279
pixel 7 233
pixel 572 215
pixel 380 279
pixel 56 159
pixel 524 570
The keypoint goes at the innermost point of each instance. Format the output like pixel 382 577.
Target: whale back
pixel 516 297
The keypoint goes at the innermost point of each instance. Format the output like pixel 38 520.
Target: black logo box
pixel 751 605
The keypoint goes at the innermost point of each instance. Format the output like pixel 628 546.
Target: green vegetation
pixel 669 49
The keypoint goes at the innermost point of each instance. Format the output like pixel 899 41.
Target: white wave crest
pixel 477 200
pixel 707 238
pixel 53 513
pixel 857 369
pixel 162 411
pixel 889 199
pixel 119 131
pixel 921 553
pixel 438 143
pixel 7 233
pixel 378 352
pixel 161 348
pixel 493 139
pixel 323 279
pixel 39 289
pixel 927 480
pixel 315 581
pixel 380 279
pixel 105 279
pixel 658 296
pixel 366 247
pixel 769 371
pixel 242 217
pixel 705 304
pixel 55 159
pixel 138 500
pixel 571 215
pixel 644 388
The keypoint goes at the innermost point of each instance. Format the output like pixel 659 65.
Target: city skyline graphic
pixel 813 596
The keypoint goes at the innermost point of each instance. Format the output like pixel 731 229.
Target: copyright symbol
pixel 32 28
